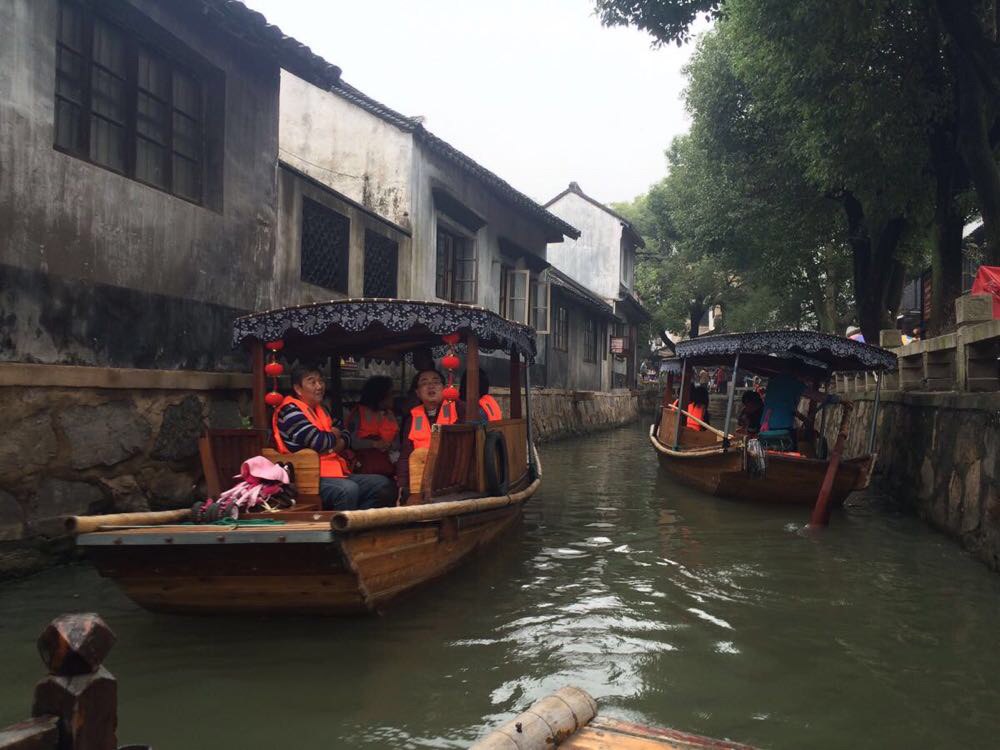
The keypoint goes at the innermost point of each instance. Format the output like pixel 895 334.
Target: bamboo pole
pixel 87 524
pixel 681 403
pixel 548 723
pixel 355 520
pixel 821 511
pixel 695 419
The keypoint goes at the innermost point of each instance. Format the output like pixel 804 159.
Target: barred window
pixel 455 278
pixel 325 246
pixel 590 340
pixel 121 104
pixel 381 264
pixel 560 338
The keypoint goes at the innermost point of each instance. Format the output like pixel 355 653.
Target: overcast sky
pixel 536 91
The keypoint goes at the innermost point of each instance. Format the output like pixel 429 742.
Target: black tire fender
pixel 495 464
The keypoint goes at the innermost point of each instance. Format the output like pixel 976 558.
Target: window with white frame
pixel 538 301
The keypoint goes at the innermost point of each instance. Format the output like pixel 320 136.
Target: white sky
pixel 534 90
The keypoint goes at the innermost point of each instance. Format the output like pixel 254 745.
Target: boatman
pixel 302 422
pixel 489 409
pixel 416 432
pixel 781 400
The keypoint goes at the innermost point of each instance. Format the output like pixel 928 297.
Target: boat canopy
pixel 770 352
pixel 381 329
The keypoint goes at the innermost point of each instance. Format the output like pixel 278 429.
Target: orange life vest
pixel 330 464
pixel 420 423
pixel 492 409
pixel 695 410
pixel 373 424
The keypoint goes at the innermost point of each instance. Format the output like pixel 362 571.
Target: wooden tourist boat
pixel 714 460
pixel 308 560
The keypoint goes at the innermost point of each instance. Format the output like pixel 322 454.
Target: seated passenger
pixel 749 417
pixel 697 407
pixel 416 432
pixel 777 422
pixel 300 421
pixel 489 409
pixel 374 429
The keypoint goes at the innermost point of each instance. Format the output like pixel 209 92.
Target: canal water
pixel 669 607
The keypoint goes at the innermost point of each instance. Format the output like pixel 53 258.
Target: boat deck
pixel 610 734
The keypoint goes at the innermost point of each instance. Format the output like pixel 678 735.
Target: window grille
pixel 325 246
pixel 560 339
pixel 381 265
pixel 123 106
pixel 456 272
pixel 589 340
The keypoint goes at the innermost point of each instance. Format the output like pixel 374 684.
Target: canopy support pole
pixel 337 387
pixel 821 511
pixel 472 378
pixel 729 403
pixel 259 411
pixel 515 385
pixel 681 404
pixel 532 469
pixel 874 424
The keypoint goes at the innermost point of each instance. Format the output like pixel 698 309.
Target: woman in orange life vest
pixel 416 433
pixel 300 421
pixel 697 407
pixel 374 428
pixel 489 409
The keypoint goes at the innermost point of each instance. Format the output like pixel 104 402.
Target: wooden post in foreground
pixel 76 705
pixel 472 378
pixel 821 511
pixel 515 384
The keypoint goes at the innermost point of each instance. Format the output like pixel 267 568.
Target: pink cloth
pixel 260 468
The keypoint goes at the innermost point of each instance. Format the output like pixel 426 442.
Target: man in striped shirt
pixel 302 422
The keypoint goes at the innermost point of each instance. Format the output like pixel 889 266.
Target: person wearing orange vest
pixel 697 407
pixel 489 409
pixel 300 421
pixel 416 433
pixel 374 429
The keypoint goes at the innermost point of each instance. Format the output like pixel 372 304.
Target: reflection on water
pixel 669 607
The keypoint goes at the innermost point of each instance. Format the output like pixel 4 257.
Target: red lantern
pixel 275 346
pixel 274 369
pixel 451 338
pixel 450 393
pixel 273 399
pixel 450 362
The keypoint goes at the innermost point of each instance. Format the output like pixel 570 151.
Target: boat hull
pixel 300 568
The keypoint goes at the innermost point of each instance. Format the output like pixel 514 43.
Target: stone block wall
pixel 937 455
pixel 88 450
pixel 557 413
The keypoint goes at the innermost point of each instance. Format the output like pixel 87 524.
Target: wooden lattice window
pixel 325 246
pixel 455 277
pixel 123 105
pixel 560 338
pixel 589 340
pixel 381 265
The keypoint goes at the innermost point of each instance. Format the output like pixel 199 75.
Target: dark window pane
pixel 443 272
pixel 187 95
pixel 153 75
pixel 70 75
pixel 381 265
pixel 187 178
pixel 108 96
pixel 187 136
pixel 151 119
pixel 107 143
pixel 325 246
pixel 109 48
pixel 150 162
pixel 71 26
pixel 67 124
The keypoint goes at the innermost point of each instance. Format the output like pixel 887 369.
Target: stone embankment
pixel 72 451
pixel 938 456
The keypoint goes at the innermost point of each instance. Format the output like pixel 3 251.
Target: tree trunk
pixel 695 311
pixel 876 271
pixel 946 263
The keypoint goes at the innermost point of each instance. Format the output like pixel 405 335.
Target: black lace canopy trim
pixel 808 348
pixel 381 329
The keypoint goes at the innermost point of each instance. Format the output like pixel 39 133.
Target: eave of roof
pixel 627 225
pixel 580 292
pixel 439 146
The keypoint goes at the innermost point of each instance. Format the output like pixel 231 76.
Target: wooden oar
pixel 707 426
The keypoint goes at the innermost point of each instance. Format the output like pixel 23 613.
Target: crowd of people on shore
pixel 374 456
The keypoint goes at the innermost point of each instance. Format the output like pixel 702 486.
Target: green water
pixel 669 607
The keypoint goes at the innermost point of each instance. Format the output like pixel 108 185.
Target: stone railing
pixel 967 359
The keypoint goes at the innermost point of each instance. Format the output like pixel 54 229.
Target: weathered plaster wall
pixel 98 232
pixel 77 451
pixel 595 258
pixel 938 455
pixel 567 369
pixel 343 146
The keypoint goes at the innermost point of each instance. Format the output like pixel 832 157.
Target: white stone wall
pixel 594 259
